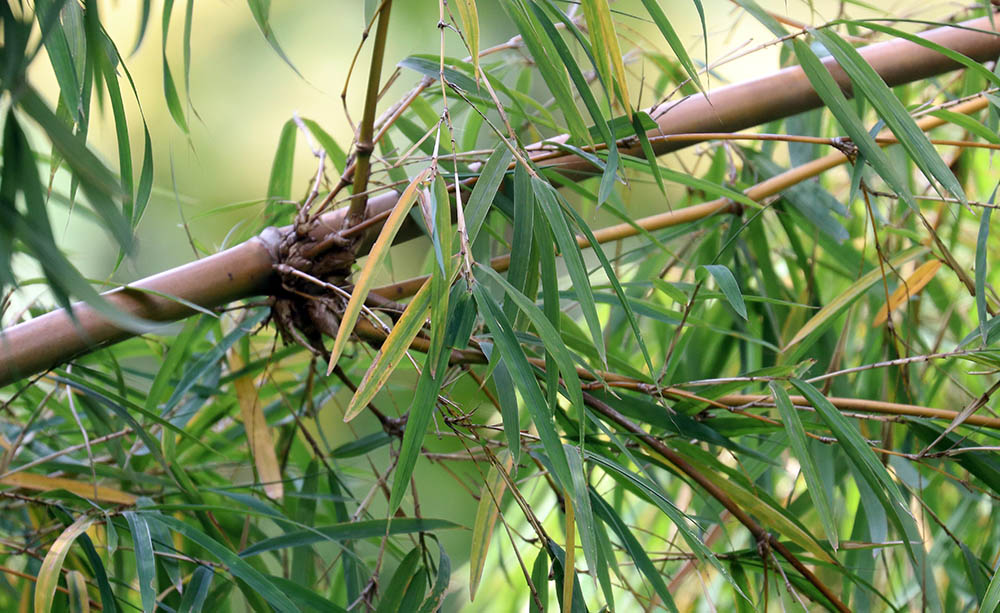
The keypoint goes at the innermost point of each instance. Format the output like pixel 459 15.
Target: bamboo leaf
pixel 261 11
pixel 279 186
pixel 347 531
pixel 425 399
pixel 391 352
pixel 469 15
pixel 377 254
pixel 89 491
pixel 661 21
pixel 485 190
pixel 334 153
pixel 634 549
pixel 890 109
pixel 831 95
pixel 258 433
pixel 196 590
pixel 79 600
pixel 548 200
pixel 864 460
pixel 730 288
pixel 513 355
pixel 235 564
pixel 145 563
pixel 814 484
pixel 604 40
pixel 835 306
pixel 487 512
pixel 981 244
pixel 908 288
pixel 49 572
pixel 436 597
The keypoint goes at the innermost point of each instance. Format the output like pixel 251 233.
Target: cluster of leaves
pixel 647 442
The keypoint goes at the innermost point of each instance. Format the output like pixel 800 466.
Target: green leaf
pixel 257 581
pixel 633 548
pixel 49 571
pixel 261 10
pixel 548 200
pixel 831 95
pixel 661 21
pixel 981 244
pixel 730 288
pixel 334 153
pixel 868 82
pixel 372 528
pixel 520 370
pixel 279 186
pixel 420 412
pixel 196 590
pixel 814 484
pixel 145 563
pixel 864 460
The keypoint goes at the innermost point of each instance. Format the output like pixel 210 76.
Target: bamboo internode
pixel 247 269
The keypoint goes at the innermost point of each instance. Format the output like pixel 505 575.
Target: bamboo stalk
pixel 246 269
pixel 365 145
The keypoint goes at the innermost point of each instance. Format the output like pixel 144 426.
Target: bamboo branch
pixel 365 146
pixel 246 269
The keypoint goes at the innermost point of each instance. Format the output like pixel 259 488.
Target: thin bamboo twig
pixel 246 270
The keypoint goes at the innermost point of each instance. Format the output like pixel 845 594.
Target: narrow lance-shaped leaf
pixel 487 511
pixel 730 288
pixel 868 82
pixel 981 243
pixel 469 15
pixel 378 253
pixel 908 288
pixel 604 40
pixel 661 21
pixel 261 10
pixel 835 306
pixel 524 378
pixel 145 562
pixel 814 484
pixel 391 352
pixel 49 572
pixel 548 200
pixel 236 565
pixel 866 463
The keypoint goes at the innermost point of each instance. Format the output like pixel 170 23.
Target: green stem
pixel 365 145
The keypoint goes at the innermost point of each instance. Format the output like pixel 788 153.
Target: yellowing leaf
pixel 258 433
pixel 486 517
pixel 48 574
pixel 391 352
pixel 604 41
pixel 910 287
pixel 366 277
pixel 469 15
pixel 79 600
pixel 41 483
pixel 833 308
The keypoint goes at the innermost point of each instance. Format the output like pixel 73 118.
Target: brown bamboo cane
pixel 246 269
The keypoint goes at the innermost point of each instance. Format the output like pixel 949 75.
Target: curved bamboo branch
pixel 246 269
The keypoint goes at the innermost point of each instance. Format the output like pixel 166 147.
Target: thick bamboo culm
pixel 246 269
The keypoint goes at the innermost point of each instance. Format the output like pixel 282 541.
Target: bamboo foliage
pixel 735 378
